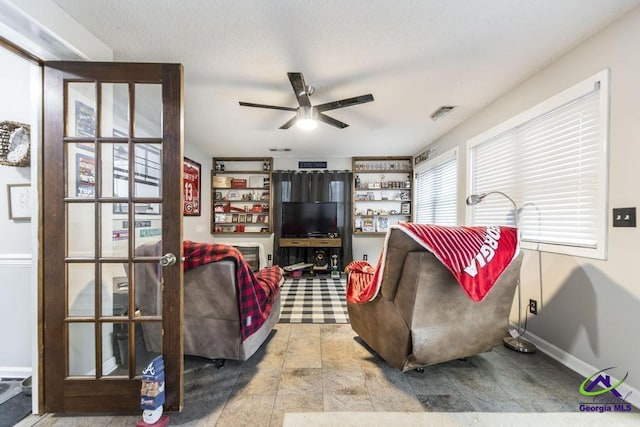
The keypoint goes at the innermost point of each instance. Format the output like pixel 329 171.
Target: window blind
pixel 554 167
pixel 436 190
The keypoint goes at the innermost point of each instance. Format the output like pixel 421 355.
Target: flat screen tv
pixel 309 219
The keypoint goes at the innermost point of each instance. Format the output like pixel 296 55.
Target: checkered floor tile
pixel 314 300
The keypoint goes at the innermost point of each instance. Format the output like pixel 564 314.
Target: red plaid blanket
pixel 256 292
pixel 476 256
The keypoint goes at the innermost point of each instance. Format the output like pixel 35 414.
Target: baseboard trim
pixel 108 367
pixel 580 366
pixel 10 372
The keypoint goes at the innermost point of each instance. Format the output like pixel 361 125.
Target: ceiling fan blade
pixel 344 103
pixel 289 123
pixel 271 107
pixel 299 88
pixel 331 121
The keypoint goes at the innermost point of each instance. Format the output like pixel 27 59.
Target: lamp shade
pixel 474 199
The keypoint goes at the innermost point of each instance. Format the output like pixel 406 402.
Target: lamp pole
pixel 513 342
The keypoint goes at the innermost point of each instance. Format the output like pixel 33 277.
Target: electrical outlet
pixel 533 306
pixel 365 257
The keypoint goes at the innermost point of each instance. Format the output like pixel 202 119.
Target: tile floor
pixel 312 367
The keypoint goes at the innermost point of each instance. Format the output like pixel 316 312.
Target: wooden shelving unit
pixel 382 193
pixel 241 195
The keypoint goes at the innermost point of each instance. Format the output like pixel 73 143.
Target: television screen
pixel 309 219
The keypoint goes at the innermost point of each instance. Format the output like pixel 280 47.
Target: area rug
pixel 314 300
pixel 462 419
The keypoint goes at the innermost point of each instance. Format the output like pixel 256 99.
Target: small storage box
pixel 238 183
pixel 218 208
pixel 222 181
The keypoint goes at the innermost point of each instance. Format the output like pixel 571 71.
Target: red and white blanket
pixel 476 256
pixel 256 292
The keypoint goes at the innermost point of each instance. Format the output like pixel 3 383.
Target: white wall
pixel 15 244
pixel 589 309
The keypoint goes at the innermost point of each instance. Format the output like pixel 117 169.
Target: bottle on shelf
pixel 357 181
pixel 407 183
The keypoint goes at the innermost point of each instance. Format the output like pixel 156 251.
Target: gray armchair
pixel 211 312
pixel 422 316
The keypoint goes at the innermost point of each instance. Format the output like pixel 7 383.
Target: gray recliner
pixel 211 313
pixel 422 316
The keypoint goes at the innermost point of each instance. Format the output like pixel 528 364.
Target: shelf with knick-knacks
pixel 382 193
pixel 241 196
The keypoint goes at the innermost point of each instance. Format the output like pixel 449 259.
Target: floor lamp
pixel 514 343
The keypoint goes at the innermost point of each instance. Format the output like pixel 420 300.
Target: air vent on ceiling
pixel 280 149
pixel 441 112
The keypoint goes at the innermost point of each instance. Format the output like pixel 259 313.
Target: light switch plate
pixel 624 217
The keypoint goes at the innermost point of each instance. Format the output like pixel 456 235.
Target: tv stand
pixel 304 249
pixel 310 242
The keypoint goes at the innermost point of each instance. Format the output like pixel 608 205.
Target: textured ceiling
pixel 413 56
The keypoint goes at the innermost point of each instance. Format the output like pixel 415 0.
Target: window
pixel 146 168
pixel 437 191
pixel 147 172
pixel 552 160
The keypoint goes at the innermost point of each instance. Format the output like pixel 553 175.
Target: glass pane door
pixel 114 307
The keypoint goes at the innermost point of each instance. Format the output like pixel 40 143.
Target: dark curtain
pixel 314 186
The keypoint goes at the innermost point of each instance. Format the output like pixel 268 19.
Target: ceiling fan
pixel 307 115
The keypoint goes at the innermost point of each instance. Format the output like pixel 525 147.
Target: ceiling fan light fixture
pixel 306 124
pixel 307 118
pixel 307 115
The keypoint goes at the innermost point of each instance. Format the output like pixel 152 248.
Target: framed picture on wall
pixel 191 182
pixel 368 224
pixel 85 119
pixel 405 208
pixel 85 175
pixel 19 201
pixel 382 223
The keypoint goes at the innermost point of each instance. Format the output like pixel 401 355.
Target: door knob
pixel 167 259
